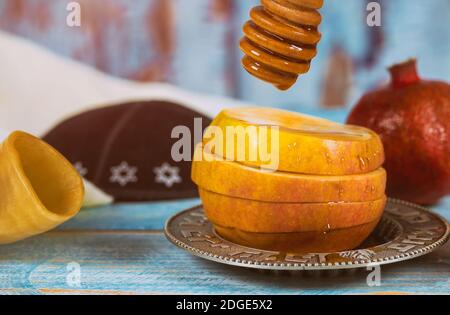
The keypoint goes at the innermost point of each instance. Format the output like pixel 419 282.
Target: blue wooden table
pixel 121 249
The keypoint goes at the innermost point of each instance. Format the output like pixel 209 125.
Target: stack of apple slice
pixel 291 182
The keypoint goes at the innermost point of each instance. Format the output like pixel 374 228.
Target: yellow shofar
pixel 40 189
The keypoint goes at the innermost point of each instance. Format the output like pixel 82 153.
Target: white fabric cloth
pixel 93 196
pixel 38 88
pixel 3 135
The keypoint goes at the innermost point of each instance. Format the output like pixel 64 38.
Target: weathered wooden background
pixel 193 44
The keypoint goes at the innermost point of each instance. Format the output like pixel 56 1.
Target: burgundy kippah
pixel 125 149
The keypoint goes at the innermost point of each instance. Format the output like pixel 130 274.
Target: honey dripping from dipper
pixel 280 40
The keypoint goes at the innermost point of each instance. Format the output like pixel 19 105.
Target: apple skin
pixel 412 118
pixel 301 242
pixel 241 181
pixel 267 217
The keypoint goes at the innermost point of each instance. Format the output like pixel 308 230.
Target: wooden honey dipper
pixel 280 40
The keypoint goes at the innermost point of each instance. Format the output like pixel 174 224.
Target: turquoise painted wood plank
pixel 129 216
pixel 121 262
pixel 443 208
pixel 152 215
pixel 121 251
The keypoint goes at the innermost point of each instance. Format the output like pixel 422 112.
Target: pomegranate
pixel 412 117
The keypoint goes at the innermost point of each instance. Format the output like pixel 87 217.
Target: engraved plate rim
pixel 297 266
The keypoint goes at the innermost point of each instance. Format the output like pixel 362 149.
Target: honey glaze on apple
pixel 280 40
pixel 301 123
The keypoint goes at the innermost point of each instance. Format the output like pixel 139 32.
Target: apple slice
pixel 269 217
pixel 238 180
pixel 302 242
pixel 305 145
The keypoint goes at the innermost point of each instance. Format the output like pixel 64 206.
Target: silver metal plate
pixel 406 231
